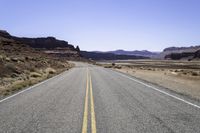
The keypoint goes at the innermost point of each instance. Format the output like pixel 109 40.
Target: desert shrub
pixel 50 70
pixel 185 73
pixel 26 58
pixel 10 68
pixel 1 57
pixel 20 85
pixel 181 70
pixel 14 75
pixel 7 59
pixel 5 93
pixel 35 74
pixel 176 70
pixel 15 59
pixel 32 69
pixel 118 67
pixel 107 66
pixel 195 74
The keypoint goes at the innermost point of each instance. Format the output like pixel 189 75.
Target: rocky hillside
pixel 170 50
pixel 184 55
pixel 49 45
pixel 22 64
pixel 181 49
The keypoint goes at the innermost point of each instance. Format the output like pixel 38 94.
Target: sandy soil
pixel 180 76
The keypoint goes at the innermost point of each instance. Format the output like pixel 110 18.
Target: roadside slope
pixel 22 65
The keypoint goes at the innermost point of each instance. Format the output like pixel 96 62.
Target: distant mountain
pixel 176 53
pixel 109 56
pixel 144 53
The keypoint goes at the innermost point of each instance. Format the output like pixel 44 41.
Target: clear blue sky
pixel 106 24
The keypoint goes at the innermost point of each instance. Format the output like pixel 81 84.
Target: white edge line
pixel 159 90
pixel 31 87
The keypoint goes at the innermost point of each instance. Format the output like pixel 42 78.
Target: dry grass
pixel 23 82
pixel 13 80
pixel 35 75
pixel 50 70
pixel 16 86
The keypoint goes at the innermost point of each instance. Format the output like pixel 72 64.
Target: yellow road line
pixel 85 119
pixel 93 121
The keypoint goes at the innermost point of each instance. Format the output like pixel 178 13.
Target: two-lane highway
pixel 93 99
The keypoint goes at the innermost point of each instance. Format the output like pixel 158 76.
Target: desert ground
pixel 20 73
pixel 182 77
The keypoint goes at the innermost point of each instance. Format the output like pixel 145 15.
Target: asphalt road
pixel 93 99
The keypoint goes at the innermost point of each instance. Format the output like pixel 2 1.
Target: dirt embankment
pixel 180 76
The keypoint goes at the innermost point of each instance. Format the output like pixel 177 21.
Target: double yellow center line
pixel 85 117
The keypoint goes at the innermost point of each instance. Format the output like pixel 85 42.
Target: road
pixel 93 99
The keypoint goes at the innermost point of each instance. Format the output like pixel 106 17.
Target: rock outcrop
pixel 45 43
pixel 48 45
pixel 181 49
pixel 177 53
pixel 192 55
